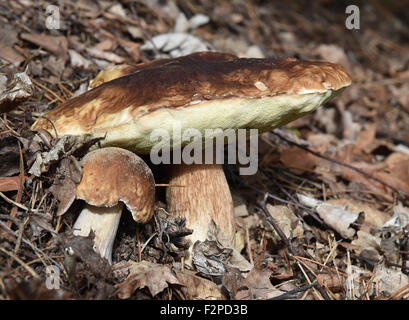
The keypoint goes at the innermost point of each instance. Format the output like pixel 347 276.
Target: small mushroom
pixel 204 90
pixel 112 177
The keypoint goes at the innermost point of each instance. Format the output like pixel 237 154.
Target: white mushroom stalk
pixel 201 194
pixel 104 223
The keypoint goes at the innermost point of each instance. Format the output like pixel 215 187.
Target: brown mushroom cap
pixel 203 90
pixel 110 175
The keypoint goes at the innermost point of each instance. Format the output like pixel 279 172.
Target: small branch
pixel 21 206
pixel 292 293
pixel 292 250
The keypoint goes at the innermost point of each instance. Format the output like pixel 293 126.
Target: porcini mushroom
pixel 205 90
pixel 112 177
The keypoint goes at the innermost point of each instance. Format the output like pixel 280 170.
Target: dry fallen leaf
pixel 335 216
pixel 372 218
pixel 298 160
pixel 65 183
pixel 175 44
pixel 197 288
pixel 63 147
pixel 213 255
pixel 158 277
pixel 15 88
pixel 286 220
pixel 257 286
pixel 55 45
pixel 210 258
pixel 394 171
pixel 390 280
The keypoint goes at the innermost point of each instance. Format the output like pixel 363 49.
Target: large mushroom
pixel 112 177
pixel 205 90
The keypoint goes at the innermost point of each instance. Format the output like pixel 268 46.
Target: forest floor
pixel 325 217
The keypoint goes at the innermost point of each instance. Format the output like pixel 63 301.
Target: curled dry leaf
pixel 82 248
pixel 174 44
pixel 398 221
pixel 68 170
pixel 393 232
pixel 337 217
pixel 236 260
pixel 65 183
pixel 373 217
pixel 210 258
pixel 171 232
pixel 40 221
pixel 63 147
pixel 197 288
pixel 15 88
pixel 44 160
pixel 213 255
pixel 158 277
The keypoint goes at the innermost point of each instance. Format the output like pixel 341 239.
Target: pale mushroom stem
pixel 200 192
pixel 104 222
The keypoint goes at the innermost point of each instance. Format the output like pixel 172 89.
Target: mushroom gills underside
pixel 133 128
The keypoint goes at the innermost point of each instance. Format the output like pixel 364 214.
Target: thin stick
pixel 249 247
pixel 304 272
pixel 393 296
pixel 32 246
pixel 290 294
pixel 5 120
pixel 147 241
pixel 28 268
pixel 139 245
pixel 13 211
pixel 21 206
pixel 318 263
pixel 49 90
pixel 55 129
